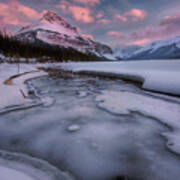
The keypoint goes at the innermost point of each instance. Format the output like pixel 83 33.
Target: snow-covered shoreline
pixel 13 91
pixel 166 112
pixel 162 76
pixel 23 167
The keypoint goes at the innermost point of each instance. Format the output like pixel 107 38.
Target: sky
pixel 118 23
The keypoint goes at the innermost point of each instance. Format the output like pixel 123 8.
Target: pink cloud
pixel 140 42
pixel 99 15
pixel 88 2
pixel 164 31
pixel 15 13
pixel 136 14
pixel 63 6
pixel 143 37
pixel 103 21
pixel 171 21
pixel 116 34
pixel 121 18
pixel 169 27
pixel 81 14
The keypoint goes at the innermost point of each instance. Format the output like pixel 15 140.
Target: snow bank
pixel 13 92
pixel 17 166
pixel 157 75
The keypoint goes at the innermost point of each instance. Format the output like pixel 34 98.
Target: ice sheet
pixel 124 102
pixel 99 145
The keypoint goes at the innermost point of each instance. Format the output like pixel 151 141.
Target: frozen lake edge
pixel 79 120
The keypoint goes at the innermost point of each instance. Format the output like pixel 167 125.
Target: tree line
pixel 13 48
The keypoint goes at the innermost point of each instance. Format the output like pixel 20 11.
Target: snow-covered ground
pixel 10 174
pixel 17 166
pixel 13 91
pixel 21 60
pixel 157 75
pixel 123 103
pixel 95 128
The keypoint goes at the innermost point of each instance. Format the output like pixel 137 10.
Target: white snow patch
pixel 20 59
pixel 16 94
pixel 11 174
pixel 47 101
pixel 55 26
pixel 178 45
pixel 157 75
pixel 74 128
pixel 122 102
pixel 82 94
pixel 44 36
pixel 110 56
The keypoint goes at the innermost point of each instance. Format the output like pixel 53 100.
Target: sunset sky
pixel 114 22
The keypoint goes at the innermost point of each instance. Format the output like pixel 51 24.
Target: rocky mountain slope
pixel 124 53
pixel 166 49
pixel 52 29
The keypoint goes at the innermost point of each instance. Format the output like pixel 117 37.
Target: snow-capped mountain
pixel 54 30
pixel 124 53
pixel 166 49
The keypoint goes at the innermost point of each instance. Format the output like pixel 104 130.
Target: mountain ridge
pixel 161 49
pixel 54 30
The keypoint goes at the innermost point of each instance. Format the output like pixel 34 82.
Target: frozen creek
pixel 87 133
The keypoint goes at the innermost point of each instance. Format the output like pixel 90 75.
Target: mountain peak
pixel 52 22
pixel 54 30
pixel 51 16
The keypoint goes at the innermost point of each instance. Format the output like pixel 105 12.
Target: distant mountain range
pixel 124 53
pixel 164 49
pixel 52 29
